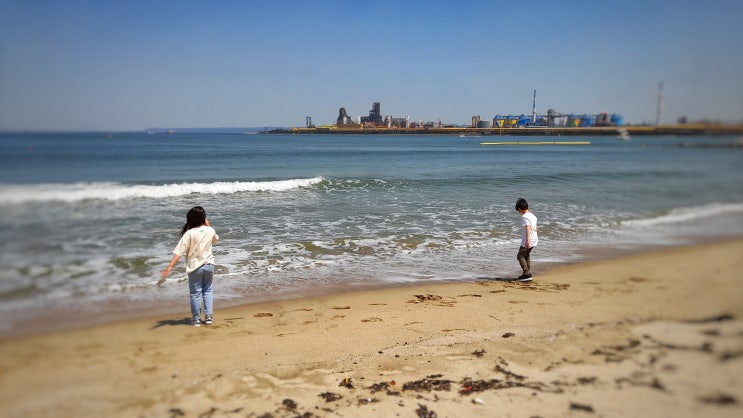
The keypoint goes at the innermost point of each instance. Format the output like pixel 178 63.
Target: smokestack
pixel 659 114
pixel 534 109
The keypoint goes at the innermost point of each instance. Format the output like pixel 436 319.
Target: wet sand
pixel 656 334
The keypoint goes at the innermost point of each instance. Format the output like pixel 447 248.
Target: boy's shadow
pixel 498 279
pixel 172 322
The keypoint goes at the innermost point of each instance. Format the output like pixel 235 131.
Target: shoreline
pixel 59 319
pixel 653 334
pixel 112 311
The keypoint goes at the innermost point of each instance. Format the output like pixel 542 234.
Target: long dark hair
pixel 195 218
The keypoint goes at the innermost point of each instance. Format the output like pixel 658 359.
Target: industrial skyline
pixel 552 118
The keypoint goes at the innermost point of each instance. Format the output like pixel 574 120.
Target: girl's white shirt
pixel 196 246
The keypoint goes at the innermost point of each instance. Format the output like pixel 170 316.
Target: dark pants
pixel 525 259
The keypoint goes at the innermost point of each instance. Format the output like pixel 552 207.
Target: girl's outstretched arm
pixel 166 272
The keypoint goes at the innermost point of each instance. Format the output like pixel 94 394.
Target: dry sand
pixel 650 335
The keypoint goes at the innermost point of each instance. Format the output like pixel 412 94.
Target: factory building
pixel 343 118
pixel 374 120
pixel 553 119
pixel 558 120
pixel 375 116
pixel 400 122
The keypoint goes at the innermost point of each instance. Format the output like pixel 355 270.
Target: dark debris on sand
pixel 176 412
pixel 428 384
pixel 425 298
pixel 721 399
pixel 383 386
pixel 330 396
pixel 509 374
pixel 209 413
pixel 423 412
pixel 616 353
pixel 289 404
pixel 712 319
pixel 470 386
pixel 365 401
pixel 347 383
pixel 730 355
pixel 581 407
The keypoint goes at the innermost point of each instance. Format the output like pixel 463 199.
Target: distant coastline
pixel 680 129
pixel 704 129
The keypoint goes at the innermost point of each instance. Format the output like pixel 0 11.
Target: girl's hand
pixel 165 272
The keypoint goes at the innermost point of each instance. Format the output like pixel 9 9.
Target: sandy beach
pixel 656 334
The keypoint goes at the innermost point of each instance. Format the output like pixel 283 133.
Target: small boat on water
pixel 623 134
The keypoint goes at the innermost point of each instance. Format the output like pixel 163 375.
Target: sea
pixel 89 220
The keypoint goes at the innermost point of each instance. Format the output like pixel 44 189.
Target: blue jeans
pixel 200 285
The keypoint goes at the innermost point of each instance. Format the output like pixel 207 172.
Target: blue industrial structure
pixel 554 119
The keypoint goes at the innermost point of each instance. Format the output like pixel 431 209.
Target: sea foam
pixel 690 213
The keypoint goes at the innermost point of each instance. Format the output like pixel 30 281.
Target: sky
pixel 132 65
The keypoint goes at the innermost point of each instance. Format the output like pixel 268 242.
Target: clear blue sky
pixel 131 65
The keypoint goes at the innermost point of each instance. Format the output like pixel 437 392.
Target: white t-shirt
pixel 529 219
pixel 196 246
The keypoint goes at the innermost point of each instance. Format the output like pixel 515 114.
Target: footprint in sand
pixel 425 298
pixel 542 287
pixel 372 319
pixel 433 299
pixel 152 369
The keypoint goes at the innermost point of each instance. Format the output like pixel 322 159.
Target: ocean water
pixel 89 220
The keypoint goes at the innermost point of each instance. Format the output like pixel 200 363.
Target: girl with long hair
pixel 197 237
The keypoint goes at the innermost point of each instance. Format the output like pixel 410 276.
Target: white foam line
pixel 16 194
pixel 685 214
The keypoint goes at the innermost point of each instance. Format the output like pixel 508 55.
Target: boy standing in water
pixel 197 237
pixel 529 239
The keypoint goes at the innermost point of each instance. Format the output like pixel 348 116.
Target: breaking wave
pixel 17 194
